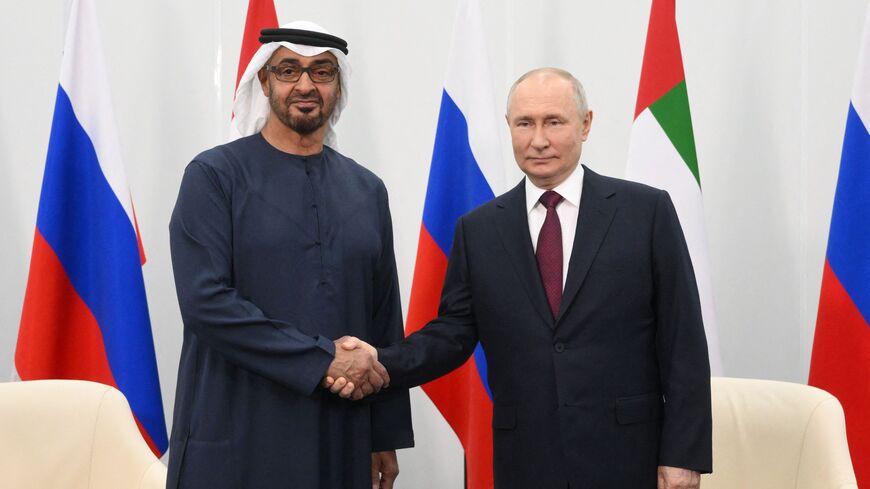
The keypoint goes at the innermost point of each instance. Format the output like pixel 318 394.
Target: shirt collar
pixel 570 190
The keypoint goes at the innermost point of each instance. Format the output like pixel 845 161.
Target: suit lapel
pixel 593 222
pixel 513 229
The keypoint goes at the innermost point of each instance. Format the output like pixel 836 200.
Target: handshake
pixel 355 372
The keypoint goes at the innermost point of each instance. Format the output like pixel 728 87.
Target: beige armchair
pixel 70 434
pixel 770 435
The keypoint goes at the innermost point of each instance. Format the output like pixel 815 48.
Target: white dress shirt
pixel 568 210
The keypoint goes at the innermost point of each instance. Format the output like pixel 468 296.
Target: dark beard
pixel 304 124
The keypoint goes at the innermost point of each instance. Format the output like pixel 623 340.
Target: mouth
pixel 304 100
pixel 305 106
pixel 539 159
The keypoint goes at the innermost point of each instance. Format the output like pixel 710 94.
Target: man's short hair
pixel 579 92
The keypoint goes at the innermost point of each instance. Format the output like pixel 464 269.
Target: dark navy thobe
pixel 275 256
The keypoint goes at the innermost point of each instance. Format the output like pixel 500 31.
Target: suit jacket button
pixel 559 347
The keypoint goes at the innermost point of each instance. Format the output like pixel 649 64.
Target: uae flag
pixel 662 150
pixel 261 15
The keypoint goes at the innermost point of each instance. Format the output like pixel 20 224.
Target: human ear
pixel 264 82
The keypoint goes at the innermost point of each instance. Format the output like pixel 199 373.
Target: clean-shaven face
pixel 547 132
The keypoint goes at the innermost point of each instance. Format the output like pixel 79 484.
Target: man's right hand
pixel 355 372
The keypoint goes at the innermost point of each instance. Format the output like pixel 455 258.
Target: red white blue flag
pixel 85 314
pixel 841 351
pixel 466 171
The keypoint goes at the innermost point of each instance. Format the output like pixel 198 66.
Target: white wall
pixel 769 84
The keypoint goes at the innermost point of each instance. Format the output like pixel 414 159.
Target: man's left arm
pixel 391 408
pixel 681 346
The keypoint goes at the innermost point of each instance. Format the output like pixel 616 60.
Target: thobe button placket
pixel 318 230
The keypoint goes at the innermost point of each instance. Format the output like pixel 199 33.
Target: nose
pixel 304 84
pixel 539 139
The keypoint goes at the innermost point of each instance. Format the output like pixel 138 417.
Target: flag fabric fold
pixel 261 15
pixel 840 362
pixel 85 313
pixel 662 151
pixel 466 171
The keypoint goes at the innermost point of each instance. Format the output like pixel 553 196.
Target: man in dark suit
pixel 581 291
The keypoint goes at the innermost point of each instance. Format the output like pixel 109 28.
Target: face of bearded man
pixel 303 106
pixel 303 112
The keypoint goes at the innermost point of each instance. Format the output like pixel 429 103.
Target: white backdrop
pixel 768 81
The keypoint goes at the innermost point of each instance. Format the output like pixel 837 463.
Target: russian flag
pixel 466 171
pixel 85 315
pixel 840 361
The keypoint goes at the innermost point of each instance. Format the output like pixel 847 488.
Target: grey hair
pixel 579 92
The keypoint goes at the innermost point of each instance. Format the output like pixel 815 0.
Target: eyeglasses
pixel 292 73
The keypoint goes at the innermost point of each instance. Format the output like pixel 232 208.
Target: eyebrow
pixel 295 61
pixel 544 117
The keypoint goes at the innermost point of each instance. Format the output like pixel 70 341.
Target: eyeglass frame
pixel 302 70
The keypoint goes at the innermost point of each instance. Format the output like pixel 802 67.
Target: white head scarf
pixel 251 107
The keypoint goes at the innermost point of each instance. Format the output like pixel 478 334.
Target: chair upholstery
pixel 770 435
pixel 72 434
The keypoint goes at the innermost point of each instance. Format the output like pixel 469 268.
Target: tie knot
pixel 550 199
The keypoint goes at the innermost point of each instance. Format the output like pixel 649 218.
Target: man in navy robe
pixel 280 245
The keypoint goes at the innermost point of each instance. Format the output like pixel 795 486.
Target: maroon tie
pixel 549 252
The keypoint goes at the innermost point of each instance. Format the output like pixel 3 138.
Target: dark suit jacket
pixel 619 383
